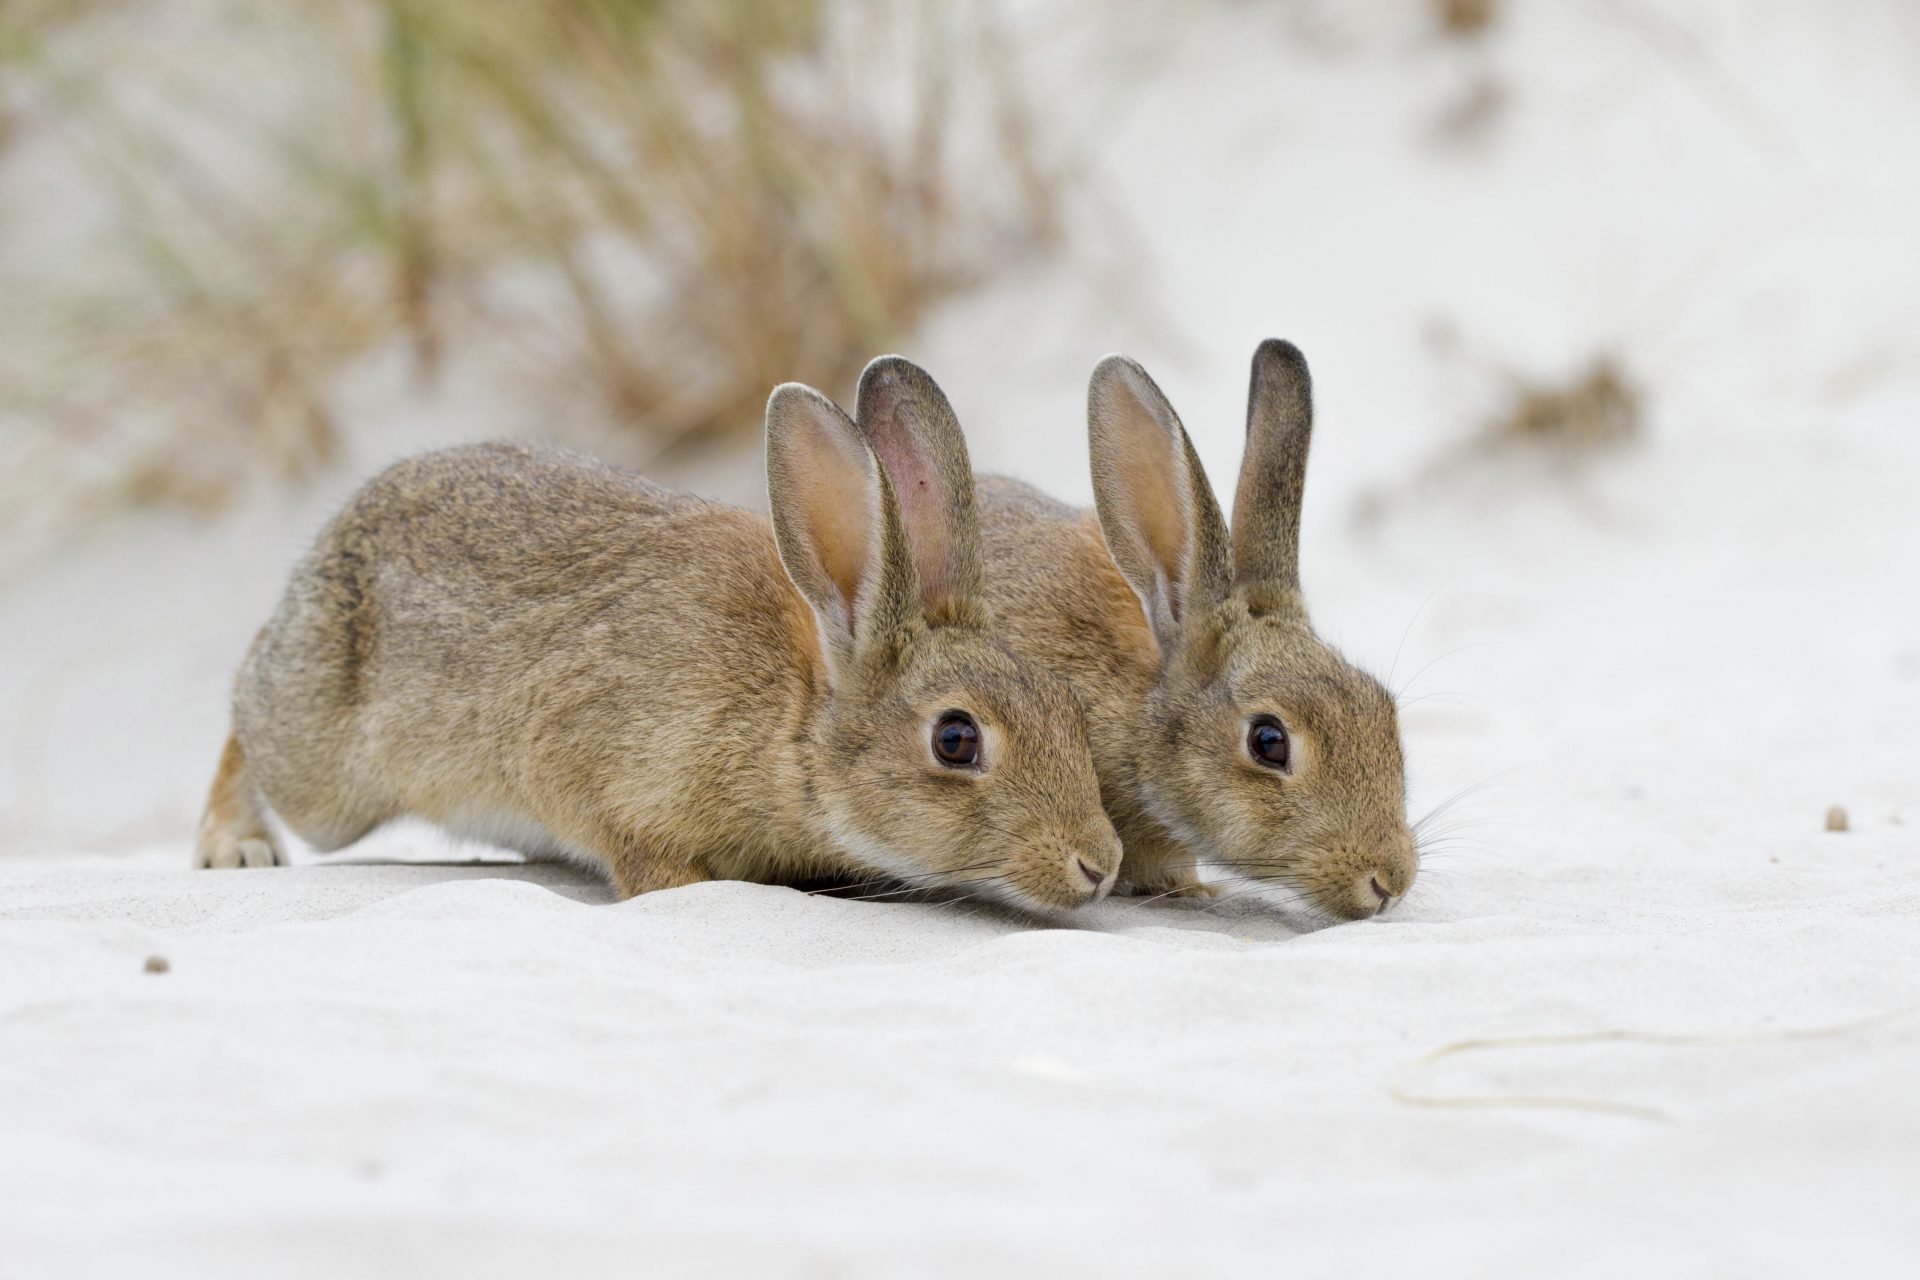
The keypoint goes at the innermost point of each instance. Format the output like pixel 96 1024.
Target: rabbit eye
pixel 1267 742
pixel 956 739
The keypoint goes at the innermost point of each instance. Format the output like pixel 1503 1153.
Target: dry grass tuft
pixel 1597 408
pixel 1466 18
pixel 651 211
pixel 1559 424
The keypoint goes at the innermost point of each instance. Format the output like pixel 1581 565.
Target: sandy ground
pixel 1642 1012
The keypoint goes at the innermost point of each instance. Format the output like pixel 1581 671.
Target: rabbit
pixel 529 646
pixel 1223 729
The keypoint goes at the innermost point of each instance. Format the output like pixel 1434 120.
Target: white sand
pixel 1680 661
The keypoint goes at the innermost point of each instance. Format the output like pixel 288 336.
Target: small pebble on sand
pixel 1837 818
pixel 157 964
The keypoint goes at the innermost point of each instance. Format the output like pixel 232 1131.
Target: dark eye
pixel 1267 742
pixel 956 739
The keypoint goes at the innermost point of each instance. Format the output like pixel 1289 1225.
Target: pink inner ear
pixel 833 481
pixel 1154 496
pixel 917 488
pixel 839 521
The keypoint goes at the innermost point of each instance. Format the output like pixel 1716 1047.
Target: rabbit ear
pixel 1157 511
pixel 906 419
pixel 836 526
pixel 1266 505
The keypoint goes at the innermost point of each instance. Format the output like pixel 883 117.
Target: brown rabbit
pixel 1222 727
pixel 532 647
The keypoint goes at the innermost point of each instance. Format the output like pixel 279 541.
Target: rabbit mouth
pixel 1048 885
pixel 977 878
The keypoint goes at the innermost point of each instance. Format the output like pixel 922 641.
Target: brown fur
pixel 1176 636
pixel 534 648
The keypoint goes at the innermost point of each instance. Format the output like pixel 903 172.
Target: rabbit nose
pixel 1383 886
pixel 1370 896
pixel 1100 882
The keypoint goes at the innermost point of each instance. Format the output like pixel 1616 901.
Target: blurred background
pixel 1613 308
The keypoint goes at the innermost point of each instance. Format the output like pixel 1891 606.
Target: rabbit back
pixel 525 643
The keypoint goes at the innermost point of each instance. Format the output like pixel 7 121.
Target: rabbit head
pixel 939 758
pixel 1261 748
